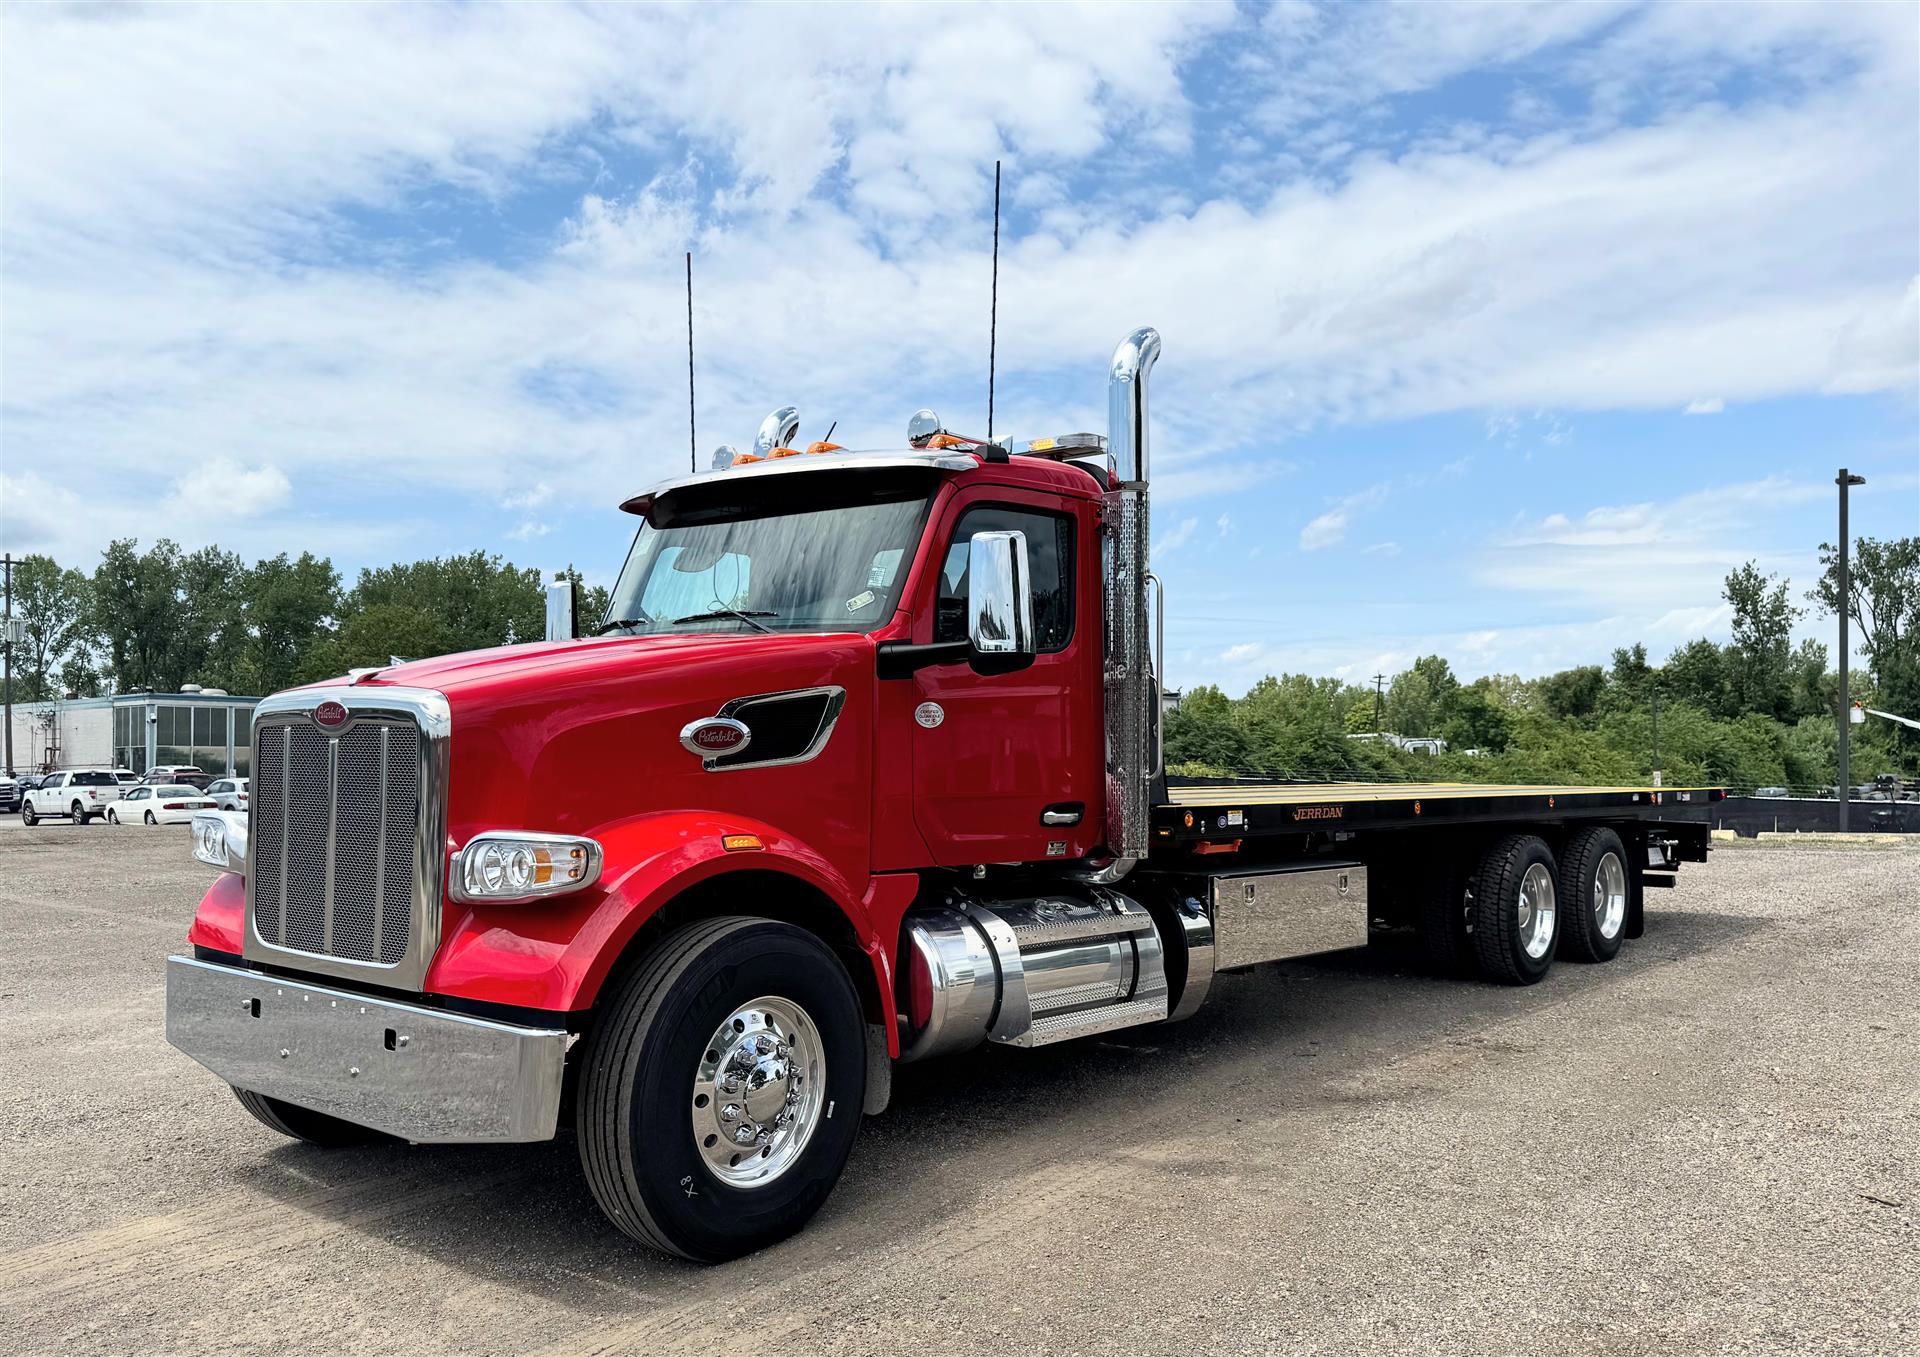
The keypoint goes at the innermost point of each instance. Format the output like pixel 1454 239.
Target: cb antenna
pixel 693 460
pixel 993 314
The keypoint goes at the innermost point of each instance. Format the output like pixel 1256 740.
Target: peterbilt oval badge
pixel 713 736
pixel 330 714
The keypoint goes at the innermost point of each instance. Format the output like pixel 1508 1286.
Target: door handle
pixel 1066 813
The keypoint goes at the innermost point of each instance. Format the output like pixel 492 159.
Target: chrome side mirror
pixel 562 610
pixel 999 600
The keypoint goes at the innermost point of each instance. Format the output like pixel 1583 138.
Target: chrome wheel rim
pixel 1536 911
pixel 1609 895
pixel 758 1092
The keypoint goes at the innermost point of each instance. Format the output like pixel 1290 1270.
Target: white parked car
pixel 230 793
pixel 79 794
pixel 161 805
pixel 126 776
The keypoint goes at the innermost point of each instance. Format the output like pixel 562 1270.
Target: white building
pixel 211 730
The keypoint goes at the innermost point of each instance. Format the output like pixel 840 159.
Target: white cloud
pixel 1381 549
pixel 1225 524
pixel 1173 541
pixel 529 531
pixel 1711 406
pixel 222 488
pixel 1330 529
pixel 531 498
pixel 188 266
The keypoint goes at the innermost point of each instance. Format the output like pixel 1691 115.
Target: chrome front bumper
pixel 418 1073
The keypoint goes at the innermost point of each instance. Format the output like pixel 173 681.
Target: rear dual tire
pixel 1598 890
pixel 1513 904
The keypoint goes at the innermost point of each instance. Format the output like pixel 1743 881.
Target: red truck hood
pixel 550 663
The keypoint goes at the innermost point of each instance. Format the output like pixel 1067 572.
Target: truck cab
pixel 862 766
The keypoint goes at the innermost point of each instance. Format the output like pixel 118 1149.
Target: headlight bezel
pixel 528 849
pixel 220 839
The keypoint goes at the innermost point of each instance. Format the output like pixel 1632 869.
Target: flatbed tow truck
pixel 862 767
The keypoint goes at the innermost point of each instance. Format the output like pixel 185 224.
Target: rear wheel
pixel 1515 910
pixel 301 1123
pixel 77 813
pixel 723 1089
pixel 1593 883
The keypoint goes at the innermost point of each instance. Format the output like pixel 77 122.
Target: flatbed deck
pixel 1219 810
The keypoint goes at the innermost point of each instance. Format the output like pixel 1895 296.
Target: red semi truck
pixel 863 766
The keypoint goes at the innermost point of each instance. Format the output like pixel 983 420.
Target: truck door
pixel 1009 767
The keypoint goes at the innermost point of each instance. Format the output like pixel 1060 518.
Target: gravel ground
pixel 1711 1145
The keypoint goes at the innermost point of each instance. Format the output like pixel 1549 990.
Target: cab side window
pixel 1049 560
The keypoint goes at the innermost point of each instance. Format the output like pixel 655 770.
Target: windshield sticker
pixel 859 600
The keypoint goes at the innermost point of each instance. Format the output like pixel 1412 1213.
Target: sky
pixel 1503 331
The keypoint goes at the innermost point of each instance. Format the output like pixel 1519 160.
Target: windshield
pixel 820 552
pixel 176 791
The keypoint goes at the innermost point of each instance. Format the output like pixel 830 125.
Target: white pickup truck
pixel 80 795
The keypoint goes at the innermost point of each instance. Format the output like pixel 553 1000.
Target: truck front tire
pixel 722 1090
pixel 301 1123
pixel 1515 910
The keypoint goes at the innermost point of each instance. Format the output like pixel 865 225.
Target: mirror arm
pixel 904 659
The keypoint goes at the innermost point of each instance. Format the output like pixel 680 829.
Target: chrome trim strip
pixel 433 716
pixel 419 1073
pixel 829 718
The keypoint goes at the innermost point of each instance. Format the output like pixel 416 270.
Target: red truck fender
pixel 556 955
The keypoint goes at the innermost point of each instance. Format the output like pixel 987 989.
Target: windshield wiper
pixel 644 620
pixel 724 611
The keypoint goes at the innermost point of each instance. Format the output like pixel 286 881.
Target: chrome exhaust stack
pixel 1131 686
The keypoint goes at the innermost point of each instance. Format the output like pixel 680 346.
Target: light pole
pixel 1845 480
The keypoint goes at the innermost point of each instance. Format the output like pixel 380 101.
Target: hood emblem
pixel 330 714
pixel 712 736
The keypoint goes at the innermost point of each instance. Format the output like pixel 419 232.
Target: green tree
pixel 211 638
pixel 371 638
pixel 480 599
pixel 1763 619
pixel 1696 674
pixel 52 603
pixel 1573 693
pixel 288 604
pixel 136 613
pixel 1883 601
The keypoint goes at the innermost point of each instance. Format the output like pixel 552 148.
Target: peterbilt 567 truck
pixel 863 766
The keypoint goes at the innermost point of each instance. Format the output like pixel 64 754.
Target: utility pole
pixel 1844 480
pixel 1378 681
pixel 8 568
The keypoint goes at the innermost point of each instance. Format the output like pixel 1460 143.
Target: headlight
pixel 517 865
pixel 220 840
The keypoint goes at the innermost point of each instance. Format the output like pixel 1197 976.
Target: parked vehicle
pixel 126 777
pixel 177 773
pixel 11 791
pixel 80 795
pixel 229 793
pixel 163 805
pixel 888 785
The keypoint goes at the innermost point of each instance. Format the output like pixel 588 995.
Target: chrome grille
pixel 335 836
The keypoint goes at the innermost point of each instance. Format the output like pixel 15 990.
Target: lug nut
pixel 743 1135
